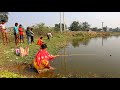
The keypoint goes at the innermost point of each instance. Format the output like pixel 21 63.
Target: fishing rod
pixel 77 55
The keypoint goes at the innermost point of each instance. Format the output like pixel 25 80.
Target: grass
pixel 59 40
pixel 7 74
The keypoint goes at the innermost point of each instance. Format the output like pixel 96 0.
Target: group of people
pixel 19 34
pixel 42 58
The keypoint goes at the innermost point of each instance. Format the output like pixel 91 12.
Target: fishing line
pixel 78 55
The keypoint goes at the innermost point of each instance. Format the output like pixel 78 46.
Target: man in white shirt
pixel 49 35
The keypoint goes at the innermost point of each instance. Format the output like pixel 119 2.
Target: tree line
pixel 75 25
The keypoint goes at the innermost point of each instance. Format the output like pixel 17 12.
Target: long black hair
pixel 43 46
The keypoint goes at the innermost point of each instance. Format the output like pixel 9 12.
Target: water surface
pixel 96 55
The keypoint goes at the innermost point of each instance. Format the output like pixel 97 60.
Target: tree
pixel 85 26
pixel 57 27
pixel 105 29
pixel 117 29
pixel 4 16
pixel 41 29
pixel 75 26
pixel 95 29
pixel 41 25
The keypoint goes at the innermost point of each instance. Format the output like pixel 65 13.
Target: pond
pixel 96 55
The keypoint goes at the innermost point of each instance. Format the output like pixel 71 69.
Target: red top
pixel 43 55
pixel 39 42
pixel 20 31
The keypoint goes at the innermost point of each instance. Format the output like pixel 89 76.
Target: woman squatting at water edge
pixel 42 58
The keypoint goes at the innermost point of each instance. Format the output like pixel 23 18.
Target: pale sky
pixel 95 19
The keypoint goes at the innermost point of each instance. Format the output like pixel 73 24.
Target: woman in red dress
pixel 40 41
pixel 42 59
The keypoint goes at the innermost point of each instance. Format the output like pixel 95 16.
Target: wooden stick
pixel 77 54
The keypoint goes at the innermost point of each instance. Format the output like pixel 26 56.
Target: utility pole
pixel 60 24
pixel 64 21
pixel 102 36
pixel 102 25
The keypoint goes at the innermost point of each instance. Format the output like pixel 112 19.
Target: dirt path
pixel 27 70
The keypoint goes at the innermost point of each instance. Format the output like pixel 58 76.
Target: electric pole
pixel 60 23
pixel 64 21
pixel 102 25
pixel 102 36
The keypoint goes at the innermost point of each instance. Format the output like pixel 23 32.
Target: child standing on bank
pixel 32 35
pixel 21 33
pixel 16 34
pixel 28 33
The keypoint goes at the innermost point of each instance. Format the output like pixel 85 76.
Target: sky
pixel 95 19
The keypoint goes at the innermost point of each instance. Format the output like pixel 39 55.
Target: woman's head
pixel 3 21
pixel 16 24
pixel 43 46
pixel 28 28
pixel 41 37
pixel 20 25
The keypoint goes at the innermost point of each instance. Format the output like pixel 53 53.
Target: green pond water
pixel 96 55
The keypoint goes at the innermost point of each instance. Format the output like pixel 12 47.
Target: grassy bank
pixel 59 40
pixel 8 74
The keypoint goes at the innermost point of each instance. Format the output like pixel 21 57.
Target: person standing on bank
pixel 28 33
pixel 32 35
pixel 21 33
pixel 4 32
pixel 16 34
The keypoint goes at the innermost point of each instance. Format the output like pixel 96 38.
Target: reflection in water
pixel 101 62
pixel 102 41
pixel 77 42
pixel 104 38
pixel 117 36
pixel 65 60
pixel 105 60
pixel 86 42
